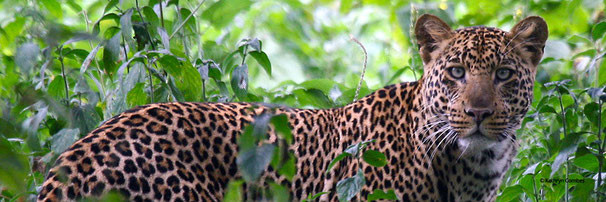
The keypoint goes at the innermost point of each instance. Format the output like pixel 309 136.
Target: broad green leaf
pixel 350 187
pixel 279 192
pixel 313 97
pixel 54 8
pixel 598 30
pixel 150 16
pixel 511 193
pixel 289 168
pixel 374 158
pixel 263 60
pixel 126 26
pixel 110 5
pixel 137 96
pixel 252 162
pixel 85 118
pixel 380 194
pixel 568 146
pixel 591 112
pixel 13 167
pixel 63 139
pixel 56 88
pixel 587 161
pixel 74 5
pixel 223 11
pixel 281 125
pixel 234 191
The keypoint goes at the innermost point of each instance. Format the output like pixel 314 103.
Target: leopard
pixel 449 136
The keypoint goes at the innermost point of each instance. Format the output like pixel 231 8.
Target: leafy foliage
pixel 68 65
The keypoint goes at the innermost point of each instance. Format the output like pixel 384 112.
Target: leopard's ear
pixel 530 35
pixel 430 31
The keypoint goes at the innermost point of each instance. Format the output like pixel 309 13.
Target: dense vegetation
pixel 68 65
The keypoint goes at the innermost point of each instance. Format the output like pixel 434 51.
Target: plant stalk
pixel 565 135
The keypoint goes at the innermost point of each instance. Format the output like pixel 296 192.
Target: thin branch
pixel 364 67
pixel 162 15
pixel 186 19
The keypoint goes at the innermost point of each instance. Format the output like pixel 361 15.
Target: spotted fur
pixel 446 137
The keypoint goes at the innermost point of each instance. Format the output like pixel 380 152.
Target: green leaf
pixel 126 26
pixel 380 194
pixel 54 8
pixel 313 97
pixel 74 5
pixel 356 148
pixel 150 16
pixel 591 112
pixel 263 60
pixel 27 56
pixel 13 167
pixel 85 118
pixel 315 196
pixel 56 88
pixel 598 30
pixel 511 193
pixel 587 161
pixel 110 5
pixel 568 146
pixel 234 191
pixel 280 123
pixel 63 139
pixel 289 168
pixel 279 192
pixel 137 96
pixel 239 81
pixel 336 159
pixel 350 187
pixel 374 158
pixel 252 162
pixel 222 12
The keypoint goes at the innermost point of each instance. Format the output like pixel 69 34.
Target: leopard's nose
pixel 479 115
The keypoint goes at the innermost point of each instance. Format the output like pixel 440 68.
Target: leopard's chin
pixel 475 142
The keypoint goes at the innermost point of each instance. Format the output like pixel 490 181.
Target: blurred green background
pixel 68 65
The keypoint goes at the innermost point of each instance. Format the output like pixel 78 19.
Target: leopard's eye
pixel 504 74
pixel 457 72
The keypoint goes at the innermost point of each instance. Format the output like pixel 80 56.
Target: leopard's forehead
pixel 478 48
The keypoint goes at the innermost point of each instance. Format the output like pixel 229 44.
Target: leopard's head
pixel 478 81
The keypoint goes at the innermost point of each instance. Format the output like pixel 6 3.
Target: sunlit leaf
pixel 53 7
pixel 279 192
pixel 380 194
pixel 374 158
pixel 234 191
